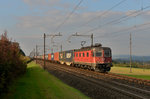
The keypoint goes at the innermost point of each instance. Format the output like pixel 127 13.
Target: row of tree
pixel 12 63
pixel 135 64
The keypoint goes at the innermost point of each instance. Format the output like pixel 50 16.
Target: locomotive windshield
pixel 107 53
pixel 98 54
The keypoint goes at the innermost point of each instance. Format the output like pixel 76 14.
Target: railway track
pixel 117 77
pixel 105 81
pixel 130 79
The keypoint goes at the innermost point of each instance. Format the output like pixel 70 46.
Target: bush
pixel 11 63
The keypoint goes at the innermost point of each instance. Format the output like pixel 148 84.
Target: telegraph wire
pixel 133 27
pixel 120 20
pixel 127 18
pixel 123 30
pixel 116 20
pixel 139 12
pixel 69 15
pixel 135 31
pixel 104 13
pixel 65 20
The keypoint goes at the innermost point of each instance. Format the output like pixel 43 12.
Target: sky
pixel 27 20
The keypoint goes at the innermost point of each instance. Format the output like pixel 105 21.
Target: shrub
pixel 11 63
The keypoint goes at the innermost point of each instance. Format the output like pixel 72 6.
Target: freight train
pixel 95 58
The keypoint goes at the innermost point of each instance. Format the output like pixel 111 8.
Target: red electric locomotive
pixel 97 58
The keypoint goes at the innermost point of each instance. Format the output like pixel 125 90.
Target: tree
pixel 11 63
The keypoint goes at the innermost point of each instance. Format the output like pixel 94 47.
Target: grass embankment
pixel 39 84
pixel 136 72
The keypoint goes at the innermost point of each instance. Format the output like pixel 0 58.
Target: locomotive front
pixel 103 58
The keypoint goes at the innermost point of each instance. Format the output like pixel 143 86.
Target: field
pixel 39 84
pixel 136 72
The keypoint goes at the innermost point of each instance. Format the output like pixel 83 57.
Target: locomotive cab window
pixel 107 53
pixel 79 54
pixel 83 54
pixel 87 54
pixel 98 54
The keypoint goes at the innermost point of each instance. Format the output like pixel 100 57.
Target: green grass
pixel 136 72
pixel 146 77
pixel 39 84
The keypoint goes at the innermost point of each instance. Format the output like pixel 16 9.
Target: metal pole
pixel 36 54
pixel 92 39
pixel 130 54
pixel 53 35
pixel 143 64
pixel 52 50
pixel 61 48
pixel 44 49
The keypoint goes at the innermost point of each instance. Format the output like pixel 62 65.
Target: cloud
pixel 51 4
pixel 52 19
pixel 78 23
pixel 41 2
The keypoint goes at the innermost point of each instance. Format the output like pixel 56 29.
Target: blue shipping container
pixel 69 56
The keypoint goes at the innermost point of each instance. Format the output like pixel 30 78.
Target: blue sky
pixel 27 20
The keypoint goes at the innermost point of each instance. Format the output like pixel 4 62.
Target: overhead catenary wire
pixel 135 32
pixel 132 14
pixel 123 30
pixel 127 29
pixel 114 36
pixel 104 13
pixel 126 17
pixel 69 15
pixel 116 20
pixel 130 28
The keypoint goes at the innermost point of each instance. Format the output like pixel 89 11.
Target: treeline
pixel 135 64
pixel 12 63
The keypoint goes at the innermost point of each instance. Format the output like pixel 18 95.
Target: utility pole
pixel 61 47
pixel 143 64
pixel 36 54
pixel 92 39
pixel 52 37
pixel 52 50
pixel 91 36
pixel 130 53
pixel 44 50
pixel 44 45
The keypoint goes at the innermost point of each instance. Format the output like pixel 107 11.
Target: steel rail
pixel 101 83
pixel 136 92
